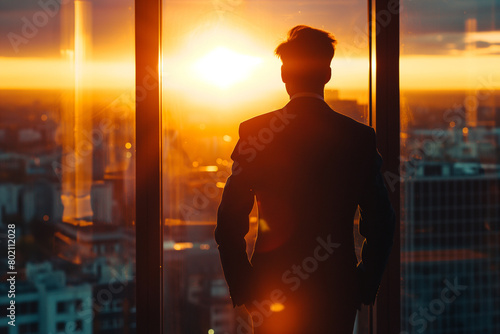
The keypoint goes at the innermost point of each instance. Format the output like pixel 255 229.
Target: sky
pixel 112 25
pixel 437 27
pixel 433 38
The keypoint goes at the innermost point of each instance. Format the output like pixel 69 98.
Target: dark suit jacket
pixel 309 168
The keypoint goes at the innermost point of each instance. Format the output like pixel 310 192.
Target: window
pixel 450 157
pixel 61 326
pixel 31 328
pixel 27 307
pixel 67 158
pixel 62 307
pixel 219 70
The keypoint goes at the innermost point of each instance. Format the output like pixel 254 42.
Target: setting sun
pixel 219 67
pixel 224 67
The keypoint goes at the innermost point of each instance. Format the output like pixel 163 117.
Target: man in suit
pixel 309 168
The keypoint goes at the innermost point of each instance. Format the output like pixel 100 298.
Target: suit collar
pixel 307 94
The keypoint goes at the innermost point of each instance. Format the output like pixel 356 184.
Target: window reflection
pixel 67 166
pixel 450 163
pixel 219 70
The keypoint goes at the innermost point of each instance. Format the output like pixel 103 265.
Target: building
pixel 196 296
pixel 113 295
pixel 450 244
pixel 46 303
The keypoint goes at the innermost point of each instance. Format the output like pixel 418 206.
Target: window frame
pixel 149 227
pixel 383 21
pixel 386 318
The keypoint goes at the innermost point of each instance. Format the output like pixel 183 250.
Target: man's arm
pixel 376 224
pixel 232 226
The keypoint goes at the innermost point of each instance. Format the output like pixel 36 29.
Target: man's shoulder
pixel 273 121
pixel 347 121
pixel 277 119
pixel 262 118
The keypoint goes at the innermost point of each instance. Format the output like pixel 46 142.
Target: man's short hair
pixel 307 49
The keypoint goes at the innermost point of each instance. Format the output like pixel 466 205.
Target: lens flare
pixel 224 67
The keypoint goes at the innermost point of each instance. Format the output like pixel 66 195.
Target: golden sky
pixel 198 33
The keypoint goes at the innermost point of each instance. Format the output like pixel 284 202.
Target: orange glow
pixel 228 65
pixel 172 221
pixel 417 72
pixel 214 71
pixel 449 72
pixel 492 37
pixel 183 245
pixel 224 67
pixel 128 146
pixel 45 218
pixel 277 307
pixel 263 226
pixel 208 169
pixel 67 240
pixel 465 131
pixel 83 43
pixel 231 63
pixel 77 178
pixel 57 73
pixel 33 73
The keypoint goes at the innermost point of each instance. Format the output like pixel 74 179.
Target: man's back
pixel 307 182
pixel 308 168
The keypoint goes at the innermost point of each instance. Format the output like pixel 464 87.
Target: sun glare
pixel 219 68
pixel 223 67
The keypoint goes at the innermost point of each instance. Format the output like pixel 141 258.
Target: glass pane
pixel 450 164
pixel 219 70
pixel 67 166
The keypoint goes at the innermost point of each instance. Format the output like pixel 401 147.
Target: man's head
pixel 306 56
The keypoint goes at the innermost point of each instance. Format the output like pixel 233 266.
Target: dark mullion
pixel 149 232
pixel 387 126
pixel 370 62
pixel 371 111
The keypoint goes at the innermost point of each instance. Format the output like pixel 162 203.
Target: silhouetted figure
pixel 308 168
